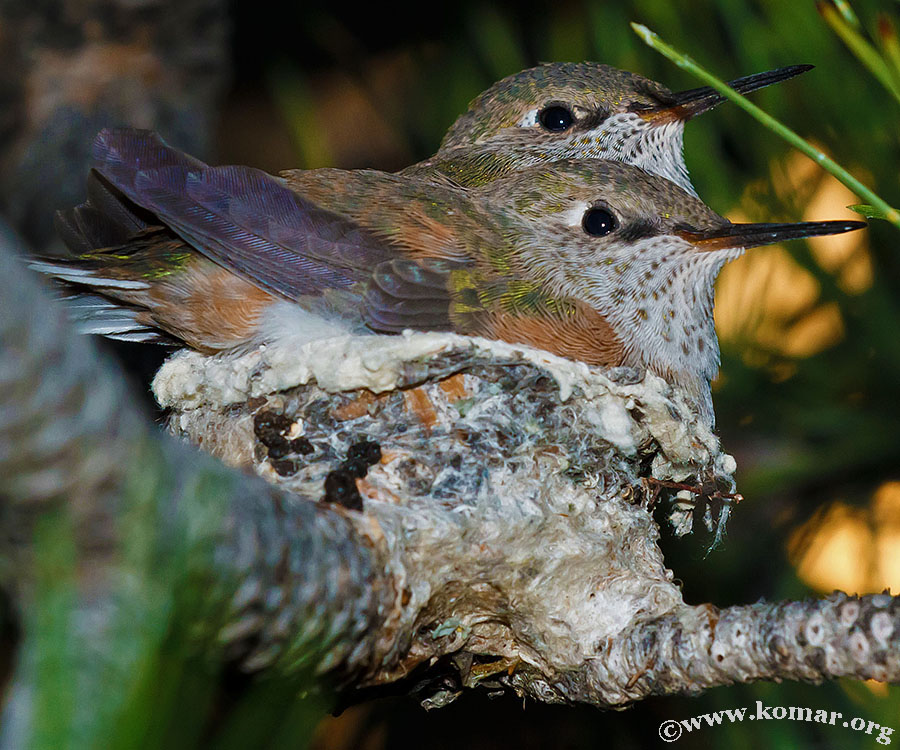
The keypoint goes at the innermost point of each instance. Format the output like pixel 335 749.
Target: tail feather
pixel 107 235
pixel 84 296
pixel 67 270
pixel 106 219
pixel 128 217
pixel 81 228
pixel 102 316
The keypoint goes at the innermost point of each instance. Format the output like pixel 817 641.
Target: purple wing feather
pixel 125 151
pixel 242 218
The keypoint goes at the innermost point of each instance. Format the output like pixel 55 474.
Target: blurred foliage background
pixel 809 397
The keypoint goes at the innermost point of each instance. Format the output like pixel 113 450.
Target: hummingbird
pixel 578 111
pixel 592 260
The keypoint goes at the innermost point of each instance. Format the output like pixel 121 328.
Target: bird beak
pixel 686 105
pixel 733 236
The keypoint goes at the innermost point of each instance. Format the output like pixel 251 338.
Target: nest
pixel 510 491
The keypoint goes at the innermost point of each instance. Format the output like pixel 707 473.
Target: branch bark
pixel 165 538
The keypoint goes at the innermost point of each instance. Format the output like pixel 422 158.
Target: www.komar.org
pixel 671 730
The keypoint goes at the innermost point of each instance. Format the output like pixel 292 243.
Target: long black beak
pixel 753 235
pixel 688 104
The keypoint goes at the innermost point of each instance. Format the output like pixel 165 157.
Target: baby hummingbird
pixel 594 260
pixel 578 111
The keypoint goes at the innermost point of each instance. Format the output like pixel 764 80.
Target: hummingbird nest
pixel 510 490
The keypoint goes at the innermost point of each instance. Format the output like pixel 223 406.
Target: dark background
pixel 809 398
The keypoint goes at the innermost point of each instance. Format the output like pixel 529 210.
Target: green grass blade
pixel 847 13
pixel 887 32
pixel 859 46
pixel 683 61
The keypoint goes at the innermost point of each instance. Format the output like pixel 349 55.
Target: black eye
pixel 556 118
pixel 599 222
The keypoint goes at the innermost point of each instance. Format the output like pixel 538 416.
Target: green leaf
pixel 847 13
pixel 870 212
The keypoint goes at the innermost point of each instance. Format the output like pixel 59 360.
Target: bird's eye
pixel 599 222
pixel 556 118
